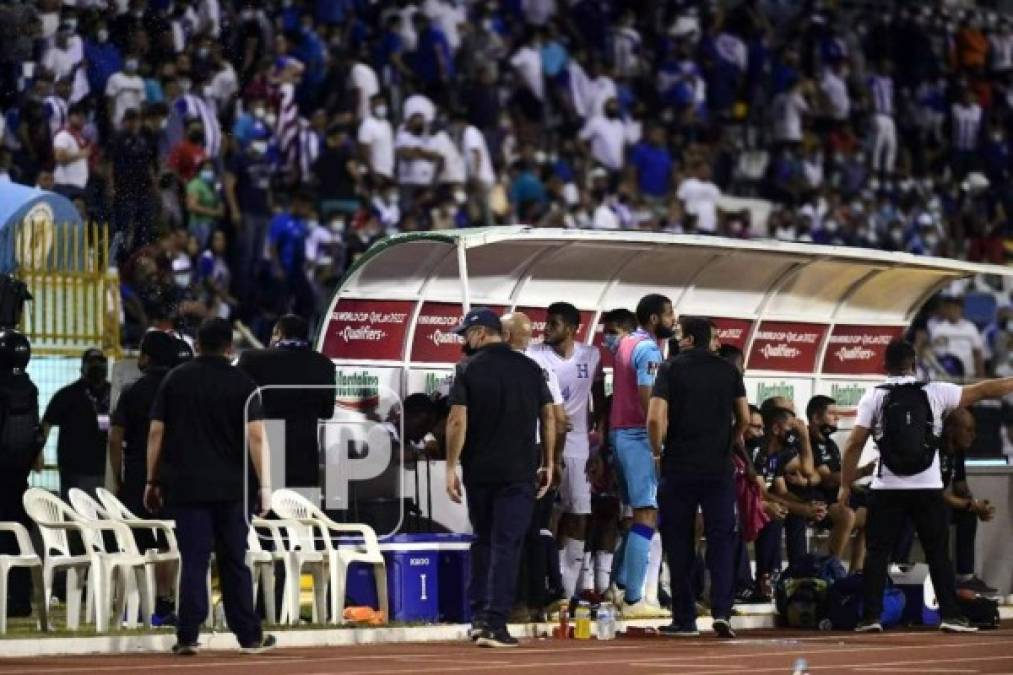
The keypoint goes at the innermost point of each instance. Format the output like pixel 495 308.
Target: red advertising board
pixel 858 350
pixel 786 346
pixel 733 331
pixel 367 329
pixel 537 316
pixel 434 340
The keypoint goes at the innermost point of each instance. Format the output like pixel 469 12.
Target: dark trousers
pixel 679 495
pixel 534 570
pixel 768 548
pixel 221 527
pixel 966 524
pixel 888 509
pixel 500 515
pixel 905 540
pixel 794 538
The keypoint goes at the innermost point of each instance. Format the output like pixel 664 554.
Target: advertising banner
pixel 786 346
pixel 734 331
pixel 797 389
pixel 858 350
pixel 434 340
pixel 367 329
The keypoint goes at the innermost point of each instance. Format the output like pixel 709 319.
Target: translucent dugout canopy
pixel 796 310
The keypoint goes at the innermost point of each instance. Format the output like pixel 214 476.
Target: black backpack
pixel 909 442
pixel 20 434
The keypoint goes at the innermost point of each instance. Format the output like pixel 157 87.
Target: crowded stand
pixel 247 155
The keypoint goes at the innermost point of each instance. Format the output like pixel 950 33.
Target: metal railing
pixel 76 296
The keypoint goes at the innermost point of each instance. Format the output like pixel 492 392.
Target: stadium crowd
pixel 246 152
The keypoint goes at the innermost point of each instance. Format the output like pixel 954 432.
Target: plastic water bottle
pixel 606 622
pixel 801 667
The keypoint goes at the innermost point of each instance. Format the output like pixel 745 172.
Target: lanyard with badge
pixel 97 405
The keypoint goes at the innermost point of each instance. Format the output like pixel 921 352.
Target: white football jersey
pixel 576 375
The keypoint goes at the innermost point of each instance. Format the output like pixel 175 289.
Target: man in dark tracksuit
pixel 498 397
pixel 204 413
pixel 690 416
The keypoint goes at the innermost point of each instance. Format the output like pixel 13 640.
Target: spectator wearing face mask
pixel 71 151
pixel 376 141
pixel 65 57
pixel 337 173
pixel 418 163
pixel 606 139
pixel 124 91
pixel 204 204
pixel 102 58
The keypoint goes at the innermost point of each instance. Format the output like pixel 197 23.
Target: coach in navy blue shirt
pixel 497 400
pixel 696 396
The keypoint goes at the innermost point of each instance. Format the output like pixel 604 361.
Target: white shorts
pixel 575 489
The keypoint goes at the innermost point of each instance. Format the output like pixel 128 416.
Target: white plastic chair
pixel 296 558
pixel 117 510
pixel 25 557
pixel 292 506
pixel 54 519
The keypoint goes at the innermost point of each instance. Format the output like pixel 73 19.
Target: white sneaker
pixel 659 611
pixel 639 610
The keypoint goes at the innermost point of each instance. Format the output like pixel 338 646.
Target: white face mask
pixel 270 119
pixel 130 65
pixel 258 147
pixel 380 112
pixel 102 35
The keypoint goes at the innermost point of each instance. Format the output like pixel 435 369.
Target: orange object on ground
pixel 367 615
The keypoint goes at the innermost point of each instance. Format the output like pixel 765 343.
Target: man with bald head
pixel 965 510
pixel 541 555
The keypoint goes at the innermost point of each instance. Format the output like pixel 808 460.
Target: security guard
pixel 20 451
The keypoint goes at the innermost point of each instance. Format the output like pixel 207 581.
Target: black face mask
pixel 828 430
pixel 754 443
pixel 467 349
pixel 196 137
pixel 95 374
pixel 791 438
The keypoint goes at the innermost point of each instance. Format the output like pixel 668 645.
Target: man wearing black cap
pixel 81 410
pixel 497 400
pixel 292 364
pixel 128 442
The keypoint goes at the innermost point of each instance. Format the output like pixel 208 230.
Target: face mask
pixel 460 197
pixel 270 119
pixel 828 430
pixel 754 443
pixel 790 438
pixel 102 35
pixel 185 84
pixel 258 147
pixel 164 124
pixel 207 176
pixel 611 342
pixel 612 113
pixel 182 279
pixel 831 226
pixel 95 373
pixel 202 52
pixel 897 236
pixel 467 349
pixel 380 112
pixel 195 136
pixel 130 66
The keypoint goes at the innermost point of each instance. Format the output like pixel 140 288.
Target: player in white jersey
pixel 578 369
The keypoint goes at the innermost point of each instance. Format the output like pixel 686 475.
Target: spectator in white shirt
pixel 376 142
pixel 605 137
pixel 124 90
pixel 364 83
pixel 953 335
pixel 835 88
pixel 603 217
pixel 527 61
pixel 1000 47
pixel 788 110
pixel 71 152
pixel 65 59
pixel 699 197
pixel 418 162
pixel 419 104
pixel 448 17
pixel 965 122
pixel 478 166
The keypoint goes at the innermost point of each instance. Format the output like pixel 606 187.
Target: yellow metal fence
pixel 76 294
